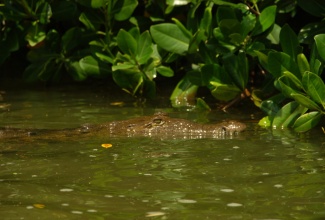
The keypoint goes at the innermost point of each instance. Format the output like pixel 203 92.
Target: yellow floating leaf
pixel 39 206
pixel 154 214
pixel 107 145
pixel 117 103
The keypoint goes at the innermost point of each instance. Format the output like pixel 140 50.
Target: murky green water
pixel 259 175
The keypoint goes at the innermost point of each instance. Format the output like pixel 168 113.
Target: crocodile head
pixel 160 124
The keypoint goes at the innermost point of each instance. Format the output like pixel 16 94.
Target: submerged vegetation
pixel 270 51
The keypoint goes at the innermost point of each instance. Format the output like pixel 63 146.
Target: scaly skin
pixel 158 125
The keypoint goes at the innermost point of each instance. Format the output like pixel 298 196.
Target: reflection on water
pixel 262 175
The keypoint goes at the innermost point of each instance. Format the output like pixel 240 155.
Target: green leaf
pixel 224 92
pixel 86 21
pixel 73 37
pixel 289 41
pixel 11 41
pixel 270 107
pixel 207 54
pixel 126 42
pixel 265 122
pixel 149 69
pixel 76 71
pixel 305 101
pixel 181 27
pixel 274 35
pixel 94 67
pixel 205 23
pixel 144 48
pixel 262 58
pixel 278 98
pixel 284 84
pixel 35 34
pixel 313 7
pixel 242 73
pixel 149 89
pixel 90 20
pixel 287 115
pixel 303 64
pixel 224 12
pixel 279 62
pixel 247 25
pixel 265 20
pixel 316 66
pixel 44 12
pixel 184 93
pixel 293 79
pixel 222 2
pixel 214 72
pixel 123 66
pixel 128 79
pixel 123 58
pixel 135 33
pixel 123 9
pixel 309 31
pixel 202 105
pixel 236 39
pixel 237 68
pixel 89 65
pixel 178 2
pixel 208 73
pixel 229 26
pixel 314 87
pixel 45 71
pixel 196 77
pixel 223 47
pixel 197 38
pixel 165 71
pixel 307 121
pixel 170 37
pixel 320 44
pixel 256 95
pixel 97 3
pixel 104 57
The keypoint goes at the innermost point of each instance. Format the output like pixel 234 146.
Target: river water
pixel 260 174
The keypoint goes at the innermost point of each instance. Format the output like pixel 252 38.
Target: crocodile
pixel 157 125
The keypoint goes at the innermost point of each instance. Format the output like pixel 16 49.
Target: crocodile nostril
pixel 31 133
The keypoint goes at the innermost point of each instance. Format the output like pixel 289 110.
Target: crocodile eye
pixel 157 121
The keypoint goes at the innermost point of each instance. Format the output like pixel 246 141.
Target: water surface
pixel 260 174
